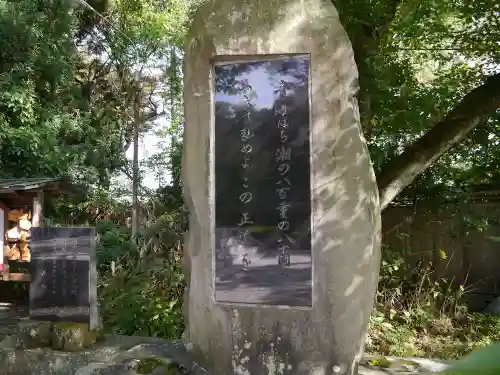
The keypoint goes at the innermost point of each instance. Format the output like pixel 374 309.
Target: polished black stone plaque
pixel 262 182
pixel 63 275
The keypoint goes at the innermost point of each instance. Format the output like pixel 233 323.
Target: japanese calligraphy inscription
pixel 64 281
pixel 262 182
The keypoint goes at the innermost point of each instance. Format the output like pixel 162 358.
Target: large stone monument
pixel 283 248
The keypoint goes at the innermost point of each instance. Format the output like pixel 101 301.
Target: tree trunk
pixel 135 160
pixel 472 111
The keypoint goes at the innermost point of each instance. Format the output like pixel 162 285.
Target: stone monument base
pixel 44 348
pixel 69 337
pixel 98 354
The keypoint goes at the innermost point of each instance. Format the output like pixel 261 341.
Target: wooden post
pixel 4 226
pixel 2 234
pixel 37 220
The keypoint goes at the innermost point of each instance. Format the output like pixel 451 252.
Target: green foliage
pixel 114 243
pixel 417 314
pixel 144 298
pixel 32 68
pixel 46 128
pixel 405 286
pixel 416 61
pixel 67 109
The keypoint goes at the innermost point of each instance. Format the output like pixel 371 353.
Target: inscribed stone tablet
pixel 262 182
pixel 64 280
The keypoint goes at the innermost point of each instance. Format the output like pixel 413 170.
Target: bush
pixel 418 315
pixel 144 299
pixel 144 296
pixel 414 315
pixel 114 243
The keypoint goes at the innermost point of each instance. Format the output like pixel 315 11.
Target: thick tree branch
pixel 472 111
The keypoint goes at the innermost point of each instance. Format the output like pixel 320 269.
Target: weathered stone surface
pixel 116 355
pixel 60 336
pixel 73 336
pixel 125 355
pixel 346 217
pixel 378 364
pixel 33 335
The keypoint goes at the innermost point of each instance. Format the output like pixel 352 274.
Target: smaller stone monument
pixel 63 285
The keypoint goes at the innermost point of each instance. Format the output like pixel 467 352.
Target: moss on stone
pixel 173 369
pixel 31 335
pixel 66 336
pixel 148 365
pixel 69 336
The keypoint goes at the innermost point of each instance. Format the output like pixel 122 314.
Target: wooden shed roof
pixel 11 185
